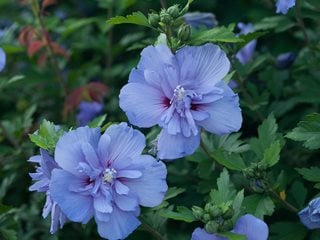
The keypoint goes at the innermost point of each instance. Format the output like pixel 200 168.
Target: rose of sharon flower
pixel 250 226
pixel 310 216
pixel 181 93
pixel 106 177
pixel 200 19
pixel 2 59
pixel 87 111
pixel 245 54
pixel 43 176
pixel 283 6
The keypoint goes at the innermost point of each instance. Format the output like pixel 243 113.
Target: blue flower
pixel 285 60
pixel 181 93
pixel 310 216
pixel 2 59
pixel 200 19
pixel 283 6
pixel 250 226
pixel 106 177
pixel 43 176
pixel 245 54
pixel 87 111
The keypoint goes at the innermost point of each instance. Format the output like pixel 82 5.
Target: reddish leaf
pixel 47 3
pixel 26 35
pixel 59 50
pixel 34 47
pixel 42 59
pixel 97 91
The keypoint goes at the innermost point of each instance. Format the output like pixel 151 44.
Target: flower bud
pixel 211 227
pixel 154 19
pixel 165 17
pixel 206 217
pixel 184 32
pixel 285 60
pixel 229 213
pixel 226 226
pixel 197 212
pixel 215 212
pixel 174 11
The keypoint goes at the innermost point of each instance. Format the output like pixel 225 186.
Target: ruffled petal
pixel 176 146
pixel 306 220
pixel 119 226
pixel 142 104
pixel 126 202
pixel 68 152
pixel 225 114
pixel 151 187
pixel 102 203
pixel 77 207
pixel 252 227
pixel 202 67
pixel 125 142
pixel 201 234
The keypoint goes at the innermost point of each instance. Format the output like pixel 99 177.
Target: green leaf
pixel 8 234
pixel 4 208
pixel 98 121
pixel 272 154
pixel 173 192
pixel 47 136
pixel 182 214
pixel 250 36
pixel 232 236
pixel 218 34
pixel 277 23
pixel 225 191
pixel 259 205
pixel 237 202
pixel 311 174
pixel 288 230
pixel 137 18
pixel 231 161
pixel 308 131
pixel 227 78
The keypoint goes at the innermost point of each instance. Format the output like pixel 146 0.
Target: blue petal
pixel 225 114
pixel 202 67
pixel 76 206
pixel 102 203
pixel 126 202
pixel 143 104
pixel 68 152
pixel 2 59
pixel 104 148
pixel 47 163
pixel 253 228
pixel 120 225
pixel 176 146
pixel 283 6
pixel 201 234
pixel 310 216
pixel 245 54
pixel 151 186
pixel 125 142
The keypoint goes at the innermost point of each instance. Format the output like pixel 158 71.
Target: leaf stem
pixel 146 227
pixel 286 204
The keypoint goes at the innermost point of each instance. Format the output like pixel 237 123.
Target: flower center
pixel 109 174
pixel 178 94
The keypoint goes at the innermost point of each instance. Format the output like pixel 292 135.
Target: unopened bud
pixel 174 11
pixel 229 213
pixel 211 227
pixel 154 19
pixel 165 17
pixel 206 217
pixel 197 212
pixel 184 32
pixel 226 226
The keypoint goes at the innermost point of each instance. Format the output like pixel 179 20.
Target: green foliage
pixel 181 214
pixel 259 205
pixel 287 230
pixel 271 154
pixel 98 121
pixel 311 174
pixel 137 18
pixel 47 136
pixel 308 131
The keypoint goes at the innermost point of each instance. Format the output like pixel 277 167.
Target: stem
pixel 152 231
pixel 282 201
pixel 54 62
pixel 207 152
pixel 110 37
pixel 163 3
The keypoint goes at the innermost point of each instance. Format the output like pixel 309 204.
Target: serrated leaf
pixel 232 236
pixel 137 18
pixel 237 202
pixel 219 34
pixel 311 174
pixel 225 191
pixel 277 23
pixel 259 205
pixel 182 214
pixel 231 161
pixel 308 131
pixel 173 192
pixel 250 36
pixel 272 154
pixel 8 234
pixel 98 121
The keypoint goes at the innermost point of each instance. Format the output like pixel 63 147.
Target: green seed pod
pixel 211 227
pixel 215 212
pixel 154 19
pixel 197 212
pixel 184 32
pixel 226 226
pixel 206 217
pixel 228 214
pixel 174 11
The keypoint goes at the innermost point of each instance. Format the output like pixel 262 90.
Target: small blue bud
pixel 285 60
